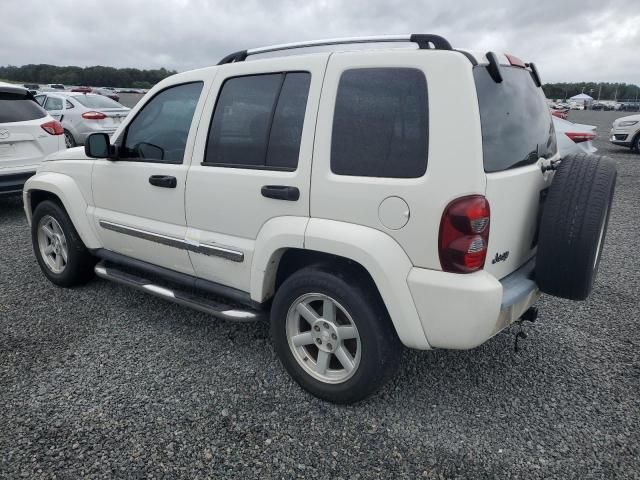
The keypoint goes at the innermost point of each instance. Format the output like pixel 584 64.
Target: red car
pixel 82 89
pixel 563 114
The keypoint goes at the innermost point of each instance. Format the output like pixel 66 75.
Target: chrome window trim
pixel 202 248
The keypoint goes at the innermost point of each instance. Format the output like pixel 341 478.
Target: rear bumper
pixel 463 311
pixel 14 182
pixel 81 136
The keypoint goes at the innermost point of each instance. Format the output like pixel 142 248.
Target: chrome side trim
pixel 202 248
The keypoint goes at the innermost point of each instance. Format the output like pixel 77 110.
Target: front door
pixel 139 198
pixel 256 147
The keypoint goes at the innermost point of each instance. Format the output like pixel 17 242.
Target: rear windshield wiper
pixel 530 158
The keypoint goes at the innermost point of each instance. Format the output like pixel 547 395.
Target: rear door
pixel 518 138
pixel 254 154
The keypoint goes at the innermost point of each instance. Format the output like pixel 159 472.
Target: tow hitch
pixel 530 315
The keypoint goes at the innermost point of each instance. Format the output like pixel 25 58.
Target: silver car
pixel 82 114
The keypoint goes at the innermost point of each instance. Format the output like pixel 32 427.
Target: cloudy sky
pixel 570 40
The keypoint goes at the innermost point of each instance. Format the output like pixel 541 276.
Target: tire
pixel 574 225
pixel 77 269
pixel 69 141
pixel 375 352
pixel 636 144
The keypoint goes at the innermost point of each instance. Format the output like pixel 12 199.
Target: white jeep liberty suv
pixel 333 193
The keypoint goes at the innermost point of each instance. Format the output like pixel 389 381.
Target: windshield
pixel 516 123
pixel 97 101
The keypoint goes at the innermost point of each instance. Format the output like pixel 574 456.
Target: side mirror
pixel 97 145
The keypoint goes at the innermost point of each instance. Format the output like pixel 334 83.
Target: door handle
pixel 281 192
pixel 164 181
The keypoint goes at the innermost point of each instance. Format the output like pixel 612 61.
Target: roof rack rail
pixel 424 41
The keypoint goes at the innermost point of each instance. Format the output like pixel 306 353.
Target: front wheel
pixel 333 335
pixel 62 256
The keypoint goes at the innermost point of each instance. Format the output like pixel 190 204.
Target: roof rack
pixel 424 41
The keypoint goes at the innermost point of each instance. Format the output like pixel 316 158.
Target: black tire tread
pixel 79 269
pixel 578 200
pixel 356 293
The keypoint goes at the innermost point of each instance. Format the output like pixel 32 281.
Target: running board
pixel 202 304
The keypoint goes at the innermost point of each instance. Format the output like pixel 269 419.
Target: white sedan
pixel 574 137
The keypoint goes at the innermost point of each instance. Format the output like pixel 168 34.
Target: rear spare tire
pixel 574 224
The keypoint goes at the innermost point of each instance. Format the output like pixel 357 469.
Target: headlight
pixel 627 123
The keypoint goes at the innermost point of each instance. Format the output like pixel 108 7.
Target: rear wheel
pixel 69 141
pixel 62 256
pixel 574 225
pixel 333 335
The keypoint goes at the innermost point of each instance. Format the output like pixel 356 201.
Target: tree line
pixel 135 78
pixel 605 91
pixel 97 76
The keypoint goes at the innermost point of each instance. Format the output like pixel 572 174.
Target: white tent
pixel 581 97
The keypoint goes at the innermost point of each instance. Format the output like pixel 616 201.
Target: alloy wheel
pixel 52 244
pixel 323 338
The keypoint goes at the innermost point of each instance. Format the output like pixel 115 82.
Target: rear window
pixel 19 107
pixel 97 101
pixel 516 123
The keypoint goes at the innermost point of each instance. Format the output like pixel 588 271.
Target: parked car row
pixel 82 114
pixel 111 92
pixel 34 126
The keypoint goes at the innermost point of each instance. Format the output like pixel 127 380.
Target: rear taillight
pixel 94 115
pixel 53 127
pixel 579 137
pixel 464 234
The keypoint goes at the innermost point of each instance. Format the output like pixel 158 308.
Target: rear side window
pixel 380 123
pixel 516 123
pixel 258 121
pixel 19 107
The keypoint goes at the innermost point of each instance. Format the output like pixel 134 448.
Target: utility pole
pixel 599 91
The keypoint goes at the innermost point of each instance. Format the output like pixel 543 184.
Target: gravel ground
pixel 105 382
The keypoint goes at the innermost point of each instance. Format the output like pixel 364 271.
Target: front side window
pixel 258 121
pixel 380 123
pixel 159 131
